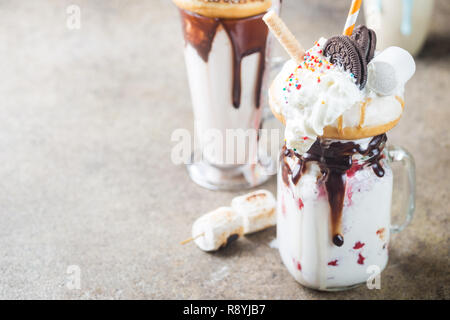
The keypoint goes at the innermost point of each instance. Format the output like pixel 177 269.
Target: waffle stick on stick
pixel 284 36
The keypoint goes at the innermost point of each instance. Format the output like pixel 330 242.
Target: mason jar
pixel 334 210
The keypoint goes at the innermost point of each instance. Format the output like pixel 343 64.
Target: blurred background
pixel 86 176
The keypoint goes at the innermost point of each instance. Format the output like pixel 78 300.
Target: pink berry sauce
pixel 358 245
pixel 361 259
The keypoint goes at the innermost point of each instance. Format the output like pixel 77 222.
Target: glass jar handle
pixel 398 154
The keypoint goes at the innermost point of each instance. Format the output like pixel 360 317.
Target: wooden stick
pixel 284 36
pixel 192 238
pixel 351 17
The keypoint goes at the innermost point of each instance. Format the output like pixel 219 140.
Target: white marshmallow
pixel 216 228
pixel 391 68
pixel 257 209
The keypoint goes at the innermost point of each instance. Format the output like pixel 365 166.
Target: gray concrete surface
pixel 86 176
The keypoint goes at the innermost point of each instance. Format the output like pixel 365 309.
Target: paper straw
pixel 351 18
pixel 284 36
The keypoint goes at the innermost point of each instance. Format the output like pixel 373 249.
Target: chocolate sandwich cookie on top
pixel 366 39
pixel 341 50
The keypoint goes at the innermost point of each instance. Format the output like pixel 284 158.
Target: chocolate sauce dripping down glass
pixel 199 31
pixel 334 159
pixel 247 36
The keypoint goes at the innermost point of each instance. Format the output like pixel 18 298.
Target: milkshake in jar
pixel 226 53
pixel 334 181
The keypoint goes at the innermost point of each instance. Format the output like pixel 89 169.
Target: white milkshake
pixel 226 52
pixel 334 182
pixel 303 226
pixel 211 86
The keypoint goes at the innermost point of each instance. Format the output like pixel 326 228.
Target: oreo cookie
pixel 366 39
pixel 361 37
pixel 373 45
pixel 364 63
pixel 341 50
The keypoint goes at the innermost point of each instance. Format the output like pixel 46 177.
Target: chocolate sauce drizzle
pixel 247 36
pixel 334 159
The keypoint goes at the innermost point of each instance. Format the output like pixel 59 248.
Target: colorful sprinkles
pixel 313 61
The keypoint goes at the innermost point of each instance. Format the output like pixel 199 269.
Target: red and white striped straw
pixel 351 18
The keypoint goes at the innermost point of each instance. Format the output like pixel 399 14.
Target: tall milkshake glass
pixel 226 52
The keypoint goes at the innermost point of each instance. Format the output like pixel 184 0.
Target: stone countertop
pixel 86 176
